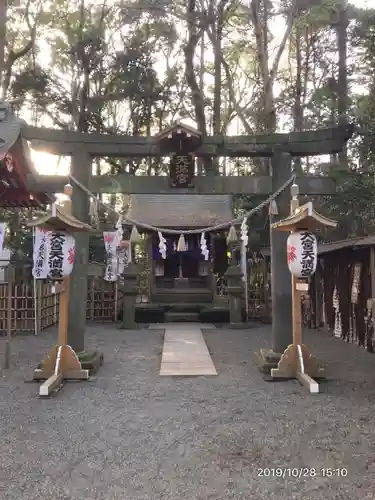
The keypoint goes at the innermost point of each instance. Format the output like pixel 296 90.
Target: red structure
pixel 15 165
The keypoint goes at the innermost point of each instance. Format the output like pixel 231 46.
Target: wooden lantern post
pixel 62 362
pixel 296 361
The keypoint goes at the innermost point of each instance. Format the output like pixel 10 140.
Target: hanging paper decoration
pixel 119 230
pixel 2 234
pixel 181 245
pixel 135 237
pixel 162 246
pixel 41 253
pixel 302 249
pixel 122 260
pixel 244 233
pixel 111 244
pixel 204 248
pixel 232 235
pixel 337 330
pixel 356 283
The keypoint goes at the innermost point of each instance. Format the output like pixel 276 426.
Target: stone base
pixel 237 326
pixel 132 326
pixel 90 360
pixel 267 359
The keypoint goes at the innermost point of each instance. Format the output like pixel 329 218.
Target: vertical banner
pixel 244 243
pixel 111 240
pixel 41 254
pixel 123 260
pixel 2 234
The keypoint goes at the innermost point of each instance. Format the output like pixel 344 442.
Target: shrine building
pixel 184 276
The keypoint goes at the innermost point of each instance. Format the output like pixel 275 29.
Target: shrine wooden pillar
pixel 80 169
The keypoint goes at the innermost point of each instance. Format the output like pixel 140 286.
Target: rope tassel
pixel 273 209
pixel 135 237
pixel 232 235
pixel 181 243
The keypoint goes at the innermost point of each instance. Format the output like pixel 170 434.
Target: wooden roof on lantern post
pixel 59 220
pixel 305 218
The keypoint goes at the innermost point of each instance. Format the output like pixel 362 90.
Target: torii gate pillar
pixel 281 169
pixel 80 168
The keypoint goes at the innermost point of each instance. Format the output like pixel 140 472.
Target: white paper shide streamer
pixel 162 246
pixel 244 233
pixel 111 240
pixel 119 229
pixel 204 249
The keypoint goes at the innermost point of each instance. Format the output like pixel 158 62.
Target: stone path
pixel 185 352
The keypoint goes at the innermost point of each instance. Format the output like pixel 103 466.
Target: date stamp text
pixel 300 472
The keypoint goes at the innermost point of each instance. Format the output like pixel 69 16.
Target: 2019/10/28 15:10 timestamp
pixel 300 472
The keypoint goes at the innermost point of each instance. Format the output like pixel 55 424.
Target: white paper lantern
pixel 54 254
pixel 302 253
pixel 61 255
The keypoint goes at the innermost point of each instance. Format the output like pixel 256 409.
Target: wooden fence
pixel 32 307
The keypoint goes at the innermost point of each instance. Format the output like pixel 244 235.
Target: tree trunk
pixel 3 20
pixel 196 93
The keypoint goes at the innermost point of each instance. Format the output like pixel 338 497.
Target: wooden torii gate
pixel 280 148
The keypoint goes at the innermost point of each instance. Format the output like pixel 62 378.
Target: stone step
pixel 184 308
pixel 174 317
pixel 178 298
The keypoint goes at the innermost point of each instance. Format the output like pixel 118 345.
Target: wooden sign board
pixel 181 171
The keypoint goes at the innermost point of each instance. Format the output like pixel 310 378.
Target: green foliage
pixel 118 67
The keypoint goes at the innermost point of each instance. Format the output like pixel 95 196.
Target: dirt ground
pixel 129 434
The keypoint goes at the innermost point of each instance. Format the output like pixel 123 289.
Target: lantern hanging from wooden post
pixel 56 260
pixel 302 255
pixel 302 252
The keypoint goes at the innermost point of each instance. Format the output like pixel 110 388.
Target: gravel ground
pixel 130 434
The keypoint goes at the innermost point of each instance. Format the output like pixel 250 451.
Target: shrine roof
pixel 180 211
pixel 15 165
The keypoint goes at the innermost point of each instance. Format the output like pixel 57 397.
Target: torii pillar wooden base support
pixel 297 362
pixel 62 363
